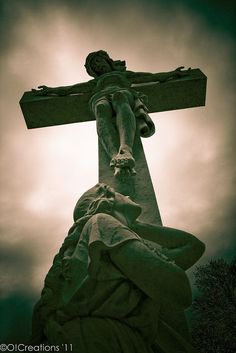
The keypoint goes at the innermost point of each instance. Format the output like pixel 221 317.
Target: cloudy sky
pixel 44 171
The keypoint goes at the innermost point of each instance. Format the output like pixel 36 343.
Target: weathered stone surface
pixel 117 284
pixel 120 100
pixel 42 111
pixel 139 188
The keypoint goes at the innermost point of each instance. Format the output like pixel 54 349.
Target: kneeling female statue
pixel 117 285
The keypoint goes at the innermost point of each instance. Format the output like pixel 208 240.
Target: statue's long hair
pixel 99 199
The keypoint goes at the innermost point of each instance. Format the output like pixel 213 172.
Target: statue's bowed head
pixel 102 198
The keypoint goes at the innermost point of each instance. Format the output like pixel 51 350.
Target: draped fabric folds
pixel 106 311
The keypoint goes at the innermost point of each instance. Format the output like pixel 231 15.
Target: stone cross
pixel 49 110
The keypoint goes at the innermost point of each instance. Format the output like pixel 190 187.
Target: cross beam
pixel 41 111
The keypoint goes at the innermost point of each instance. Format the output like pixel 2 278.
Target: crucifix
pixel 120 101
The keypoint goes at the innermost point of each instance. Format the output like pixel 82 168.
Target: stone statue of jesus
pixel 118 107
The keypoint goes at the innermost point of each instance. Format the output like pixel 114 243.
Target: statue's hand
pixel 42 91
pixel 179 72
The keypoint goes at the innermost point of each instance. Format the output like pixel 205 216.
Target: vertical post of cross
pixel 139 187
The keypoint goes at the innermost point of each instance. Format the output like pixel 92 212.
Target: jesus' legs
pixel 117 133
pixel 106 128
pixel 126 126
pixel 107 131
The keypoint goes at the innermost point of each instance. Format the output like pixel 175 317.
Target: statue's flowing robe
pixel 108 312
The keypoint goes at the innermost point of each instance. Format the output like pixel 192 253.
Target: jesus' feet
pixel 123 163
pixel 124 172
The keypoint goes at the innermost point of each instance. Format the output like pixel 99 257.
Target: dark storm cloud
pixel 16 311
pixel 221 16
pixel 22 250
pixel 24 243
pixel 12 258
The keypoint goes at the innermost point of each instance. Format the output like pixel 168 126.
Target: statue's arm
pixel 153 275
pixel 145 77
pixel 182 247
pixel 78 88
